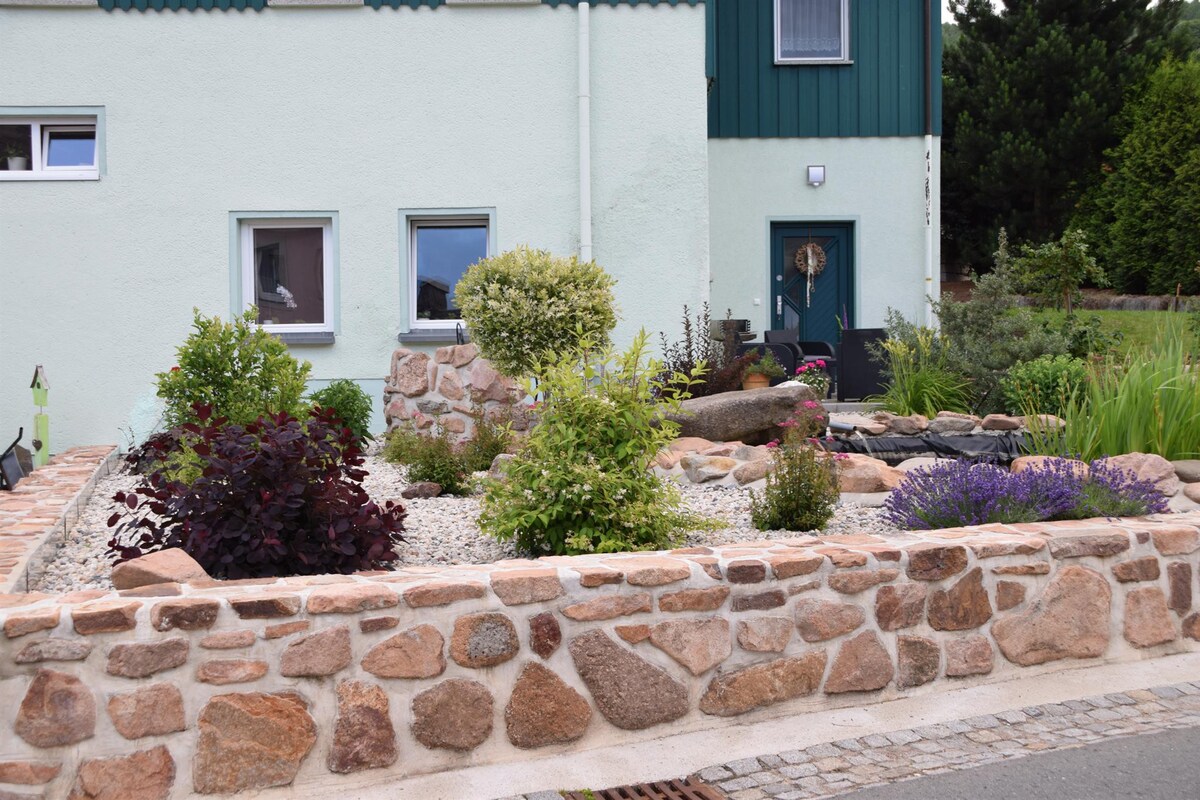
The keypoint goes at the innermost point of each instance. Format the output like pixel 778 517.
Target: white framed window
pixel 287 271
pixel 439 251
pixel 812 31
pixel 49 148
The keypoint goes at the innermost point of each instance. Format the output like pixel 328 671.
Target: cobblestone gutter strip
pixel 828 770
pixel 36 515
pixel 847 765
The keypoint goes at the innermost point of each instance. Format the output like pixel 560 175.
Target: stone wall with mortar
pixel 450 389
pixel 171 691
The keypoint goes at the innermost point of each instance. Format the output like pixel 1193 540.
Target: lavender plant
pixel 966 492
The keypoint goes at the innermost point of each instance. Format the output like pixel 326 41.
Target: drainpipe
pixel 585 134
pixel 929 320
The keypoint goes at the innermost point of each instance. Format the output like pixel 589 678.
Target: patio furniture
pixel 807 351
pixel 861 376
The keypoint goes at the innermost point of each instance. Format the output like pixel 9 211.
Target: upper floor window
pixel 812 31
pixel 48 148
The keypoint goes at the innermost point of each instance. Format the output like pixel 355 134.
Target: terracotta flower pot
pixel 755 381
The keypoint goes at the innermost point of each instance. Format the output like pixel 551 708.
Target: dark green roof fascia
pixel 182 5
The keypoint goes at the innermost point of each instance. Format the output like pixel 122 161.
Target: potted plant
pixel 759 374
pixel 813 374
pixel 17 161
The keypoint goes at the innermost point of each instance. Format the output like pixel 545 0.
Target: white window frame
pixel 845 33
pixel 40 128
pixel 246 228
pixel 440 221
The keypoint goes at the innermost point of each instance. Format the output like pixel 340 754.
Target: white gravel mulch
pixel 439 531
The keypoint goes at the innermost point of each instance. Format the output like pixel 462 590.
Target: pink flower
pixel 820 363
pixel 773 443
pixel 811 404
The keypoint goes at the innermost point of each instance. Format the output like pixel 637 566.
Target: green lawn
pixel 1139 328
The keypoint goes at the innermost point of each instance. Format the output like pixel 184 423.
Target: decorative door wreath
pixel 810 260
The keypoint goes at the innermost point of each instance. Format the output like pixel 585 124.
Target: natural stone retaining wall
pixel 212 687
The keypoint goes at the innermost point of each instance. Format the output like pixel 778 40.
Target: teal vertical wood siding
pixel 882 93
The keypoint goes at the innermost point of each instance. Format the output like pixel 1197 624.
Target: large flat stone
pixel 740 416
pixel 862 664
pixel 919 660
pixel 1147 620
pixel 143 659
pixel 544 710
pixel 318 654
pixel 154 710
pixel 762 685
pixel 931 562
pixel 250 741
pixel 165 566
pixel 765 634
pixel 961 607
pixel 900 606
pixel 143 775
pixel 630 692
pixel 1069 620
pixel 819 620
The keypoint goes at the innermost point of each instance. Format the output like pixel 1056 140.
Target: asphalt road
pixel 1161 766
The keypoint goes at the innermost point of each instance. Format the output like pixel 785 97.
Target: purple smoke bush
pixel 968 492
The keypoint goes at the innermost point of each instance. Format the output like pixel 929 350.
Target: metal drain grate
pixel 659 790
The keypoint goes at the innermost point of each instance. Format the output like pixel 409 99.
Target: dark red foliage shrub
pixel 276 497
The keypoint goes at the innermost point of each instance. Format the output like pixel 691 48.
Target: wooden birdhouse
pixel 40 387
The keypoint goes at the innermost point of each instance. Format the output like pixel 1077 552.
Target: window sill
pixel 306 337
pixel 429 335
pixel 31 175
pixel 814 62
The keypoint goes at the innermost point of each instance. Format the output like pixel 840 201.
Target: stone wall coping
pixel 705 566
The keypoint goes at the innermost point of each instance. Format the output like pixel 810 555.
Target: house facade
pixel 338 164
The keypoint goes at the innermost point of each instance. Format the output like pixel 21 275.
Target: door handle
pixel 778 304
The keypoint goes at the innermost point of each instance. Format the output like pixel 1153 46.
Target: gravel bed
pixel 439 531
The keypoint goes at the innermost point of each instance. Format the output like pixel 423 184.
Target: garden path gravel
pixel 439 530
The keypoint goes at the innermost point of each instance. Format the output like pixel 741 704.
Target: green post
pixel 41 420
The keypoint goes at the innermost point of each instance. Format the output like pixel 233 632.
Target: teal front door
pixel 813 304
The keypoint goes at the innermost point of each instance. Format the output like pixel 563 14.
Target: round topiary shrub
pixel 527 303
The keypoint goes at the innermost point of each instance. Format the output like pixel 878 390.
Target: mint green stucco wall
pixel 350 110
pixel 878 184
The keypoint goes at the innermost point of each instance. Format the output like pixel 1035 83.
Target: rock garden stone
pixel 1187 470
pixel 630 692
pixel 363 736
pixel 862 664
pixel 919 462
pixel 862 474
pixel 697 644
pixel 544 710
pixel 483 640
pixel 741 416
pixel 947 424
pixel 762 685
pixel 422 490
pixel 250 741
pixel 1069 620
pixel 411 376
pixel 912 425
pixel 1148 467
pixel 1000 422
pixel 454 715
pixel 418 652
pixel 751 471
pixel 165 566
pixel 1192 492
pixel 105 616
pixel 701 469
pixel 143 775
pixel 57 710
pixel 1023 463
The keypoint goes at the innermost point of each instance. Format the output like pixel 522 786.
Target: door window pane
pixel 289 275
pixel 442 254
pixel 811 29
pixel 70 148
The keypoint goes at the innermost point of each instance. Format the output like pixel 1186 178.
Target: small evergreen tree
pixel 1053 272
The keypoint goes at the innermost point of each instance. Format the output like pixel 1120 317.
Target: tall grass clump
pixel 920 379
pixel 1149 402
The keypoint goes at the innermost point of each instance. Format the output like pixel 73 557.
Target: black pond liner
pixel 1002 448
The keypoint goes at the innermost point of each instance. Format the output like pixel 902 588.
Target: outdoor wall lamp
pixel 816 174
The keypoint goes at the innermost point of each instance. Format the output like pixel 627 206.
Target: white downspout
pixel 585 134
pixel 929 320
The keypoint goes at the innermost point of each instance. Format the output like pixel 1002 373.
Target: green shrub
pixel 524 304
pixel 492 436
pixel 400 445
pixel 1044 384
pixel 237 369
pixel 582 483
pixel 716 366
pixel 430 456
pixel 919 379
pixel 1148 403
pixel 1053 272
pixel 801 492
pixel 350 404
